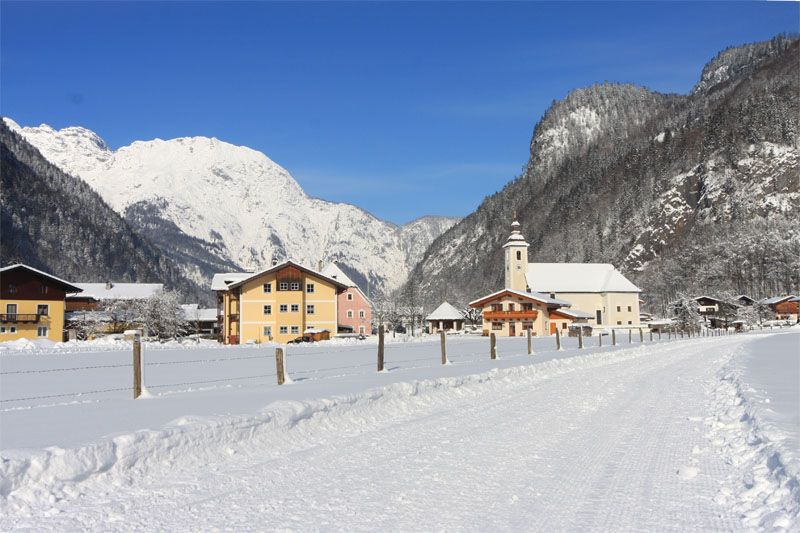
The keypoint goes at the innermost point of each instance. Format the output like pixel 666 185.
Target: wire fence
pixel 459 351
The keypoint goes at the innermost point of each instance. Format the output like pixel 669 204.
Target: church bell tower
pixel 516 250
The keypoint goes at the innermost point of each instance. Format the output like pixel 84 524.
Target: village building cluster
pixel 290 302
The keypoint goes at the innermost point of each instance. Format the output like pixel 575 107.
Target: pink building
pixel 354 308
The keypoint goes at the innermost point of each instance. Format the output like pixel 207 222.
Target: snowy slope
pixel 234 203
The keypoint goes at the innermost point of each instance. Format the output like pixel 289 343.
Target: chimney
pixel 109 285
pixel 274 261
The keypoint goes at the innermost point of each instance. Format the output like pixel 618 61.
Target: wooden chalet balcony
pixel 510 315
pixel 233 317
pixel 17 317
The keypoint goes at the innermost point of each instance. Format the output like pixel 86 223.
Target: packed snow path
pixel 630 440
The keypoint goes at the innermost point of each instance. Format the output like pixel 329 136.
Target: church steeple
pixel 516 251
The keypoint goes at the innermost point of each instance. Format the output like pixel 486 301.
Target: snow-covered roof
pixel 529 295
pixel 117 291
pixel 69 287
pixel 220 281
pixel 777 299
pixel 194 312
pixel 279 266
pixel 445 312
pixel 333 271
pixel 574 313
pixel 577 277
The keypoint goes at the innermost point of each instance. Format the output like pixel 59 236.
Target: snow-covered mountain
pixel 695 192
pixel 212 204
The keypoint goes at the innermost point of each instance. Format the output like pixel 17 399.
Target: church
pixel 545 297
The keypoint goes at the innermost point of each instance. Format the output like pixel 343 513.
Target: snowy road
pixel 631 440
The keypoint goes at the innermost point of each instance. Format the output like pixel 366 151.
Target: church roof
pixel 445 312
pixel 577 277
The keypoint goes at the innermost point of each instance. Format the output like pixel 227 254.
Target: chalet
pixel 510 313
pixel 32 304
pixel 200 320
pixel 716 313
pixel 278 304
pixel 93 294
pixel 354 308
pixel 445 318
pixel 744 300
pixel 785 307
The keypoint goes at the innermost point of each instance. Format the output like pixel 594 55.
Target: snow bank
pixel 768 495
pixel 31 479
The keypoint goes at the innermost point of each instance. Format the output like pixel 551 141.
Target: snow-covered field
pixel 665 436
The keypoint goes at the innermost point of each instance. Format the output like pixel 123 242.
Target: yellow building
pixel 32 304
pixel 278 304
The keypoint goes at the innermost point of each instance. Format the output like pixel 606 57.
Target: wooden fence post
pixel 613 337
pixel 558 339
pixel 137 367
pixel 530 343
pixel 444 348
pixel 641 335
pixel 600 338
pixel 492 346
pixel 630 336
pixel 580 338
pixel 280 370
pixel 380 350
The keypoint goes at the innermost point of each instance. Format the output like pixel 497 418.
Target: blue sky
pixel 404 109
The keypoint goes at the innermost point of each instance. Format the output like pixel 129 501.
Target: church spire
pixel 516 258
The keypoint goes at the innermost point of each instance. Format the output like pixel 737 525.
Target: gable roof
pixel 66 285
pixel 280 266
pixel 573 313
pixel 118 291
pixel 577 277
pixel 221 280
pixel 776 299
pixel 445 312
pixel 333 271
pixel 535 296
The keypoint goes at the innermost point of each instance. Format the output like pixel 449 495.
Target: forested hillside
pixel 57 223
pixel 694 193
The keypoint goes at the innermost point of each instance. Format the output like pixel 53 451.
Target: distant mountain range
pixel 697 192
pixel 210 206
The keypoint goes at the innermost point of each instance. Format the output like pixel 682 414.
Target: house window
pixel 349 314
pixel 619 309
pixel 309 287
pixel 295 285
pixel 11 309
pixel 295 308
pixel 284 329
pixel 284 308
pixel 599 315
pixel 268 331
pixel 497 325
pixel 310 309
pixel 267 309
pixel 497 307
pixel 619 322
pixel 12 329
pixel 283 286
pixel 361 314
pixel 350 296
pixel 43 309
pixel 2 329
pixel 41 331
pixel 12 287
pixel 527 307
pixel 629 322
pixel 552 295
pixel 267 288
pixel 295 330
pixel 510 307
